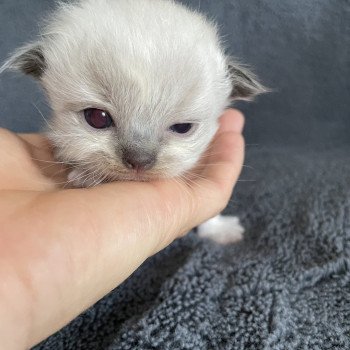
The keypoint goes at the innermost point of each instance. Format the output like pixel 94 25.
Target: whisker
pixel 41 114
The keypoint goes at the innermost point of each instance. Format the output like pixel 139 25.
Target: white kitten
pixel 136 88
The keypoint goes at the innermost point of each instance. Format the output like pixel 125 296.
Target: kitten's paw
pixel 74 179
pixel 222 229
pixel 80 178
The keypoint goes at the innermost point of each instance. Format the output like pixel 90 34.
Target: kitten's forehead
pixel 150 64
pixel 142 87
pixel 108 53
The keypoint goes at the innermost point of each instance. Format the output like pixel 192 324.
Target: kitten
pixel 136 88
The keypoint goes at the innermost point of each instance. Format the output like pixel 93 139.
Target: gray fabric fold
pixel 285 286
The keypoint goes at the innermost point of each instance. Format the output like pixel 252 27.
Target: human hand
pixel 61 250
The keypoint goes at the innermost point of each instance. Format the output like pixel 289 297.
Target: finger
pixel 221 166
pixel 41 153
pixel 227 150
pixel 38 146
pixel 18 170
pixel 227 155
pixel 36 140
pixel 231 120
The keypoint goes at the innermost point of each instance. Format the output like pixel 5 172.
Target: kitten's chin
pixel 147 175
pixel 81 178
pixel 153 174
pixel 141 177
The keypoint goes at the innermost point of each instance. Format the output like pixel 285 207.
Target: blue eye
pixel 182 128
pixel 98 118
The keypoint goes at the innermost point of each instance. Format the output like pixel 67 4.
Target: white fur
pixel 222 229
pixel 150 64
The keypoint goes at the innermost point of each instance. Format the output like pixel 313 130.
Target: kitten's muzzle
pixel 139 160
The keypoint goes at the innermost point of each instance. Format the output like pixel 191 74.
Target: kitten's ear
pixel 245 85
pixel 28 59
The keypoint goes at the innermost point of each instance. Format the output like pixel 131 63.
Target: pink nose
pixel 138 162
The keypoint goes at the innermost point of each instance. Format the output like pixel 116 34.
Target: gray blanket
pixel 285 286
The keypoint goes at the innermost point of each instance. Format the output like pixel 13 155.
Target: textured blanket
pixel 285 286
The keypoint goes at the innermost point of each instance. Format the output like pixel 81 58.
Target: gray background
pixel 287 284
pixel 298 48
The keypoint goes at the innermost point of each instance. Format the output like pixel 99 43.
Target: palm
pixel 88 239
pixel 29 164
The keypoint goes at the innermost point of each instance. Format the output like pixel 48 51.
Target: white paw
pixel 222 229
pixel 80 178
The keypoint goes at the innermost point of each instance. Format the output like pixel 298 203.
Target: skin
pixel 61 250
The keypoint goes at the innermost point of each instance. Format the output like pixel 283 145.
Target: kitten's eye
pixel 98 118
pixel 182 128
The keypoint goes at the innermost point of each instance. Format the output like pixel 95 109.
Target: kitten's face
pixel 138 120
pixel 132 99
pixel 135 150
pixel 138 137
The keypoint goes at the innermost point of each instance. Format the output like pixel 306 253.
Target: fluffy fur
pixel 150 64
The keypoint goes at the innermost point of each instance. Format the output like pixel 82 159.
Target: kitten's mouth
pixel 80 177
pixel 135 175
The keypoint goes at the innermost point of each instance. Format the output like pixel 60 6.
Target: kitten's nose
pixel 138 160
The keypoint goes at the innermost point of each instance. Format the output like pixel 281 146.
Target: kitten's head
pixel 136 86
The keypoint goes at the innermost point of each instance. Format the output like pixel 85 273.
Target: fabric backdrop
pixel 286 285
